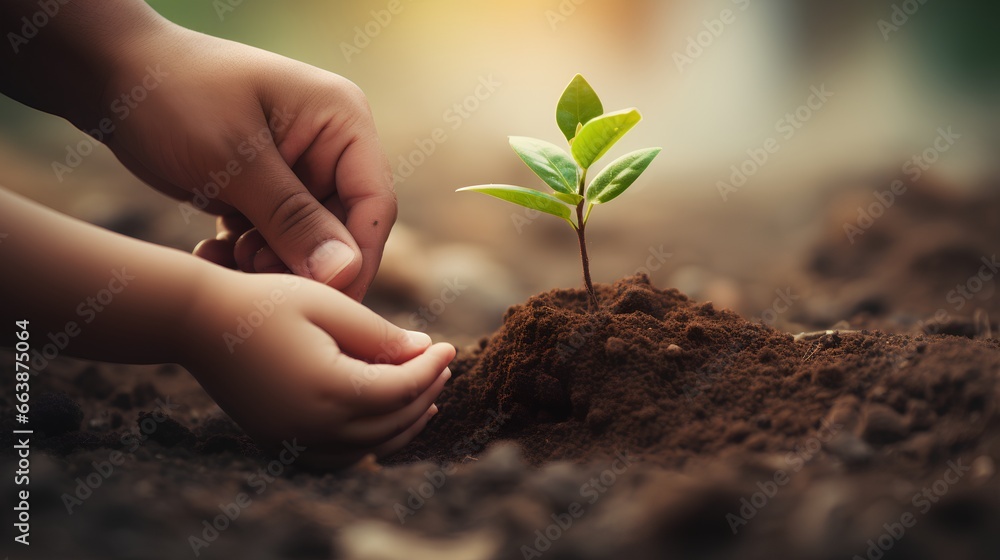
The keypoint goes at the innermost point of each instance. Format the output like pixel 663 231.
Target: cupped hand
pixel 287 153
pixel 295 363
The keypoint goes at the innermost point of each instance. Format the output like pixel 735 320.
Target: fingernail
pixel 328 260
pixel 434 409
pixel 447 374
pixel 266 260
pixel 418 338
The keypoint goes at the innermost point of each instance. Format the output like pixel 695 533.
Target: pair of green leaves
pixel 591 133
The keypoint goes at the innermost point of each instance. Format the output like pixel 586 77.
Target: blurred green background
pixel 891 89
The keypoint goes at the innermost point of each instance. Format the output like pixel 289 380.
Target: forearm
pixel 59 55
pixel 107 296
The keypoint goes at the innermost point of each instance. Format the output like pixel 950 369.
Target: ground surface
pixel 659 426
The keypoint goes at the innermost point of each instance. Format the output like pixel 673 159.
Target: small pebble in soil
pixel 615 346
pixel 844 412
pixel 850 448
pixel 502 462
pixel 367 464
pixel 982 469
pixel 882 424
pixel 559 482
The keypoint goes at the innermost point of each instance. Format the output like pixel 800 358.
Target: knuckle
pixel 354 96
pixel 293 211
pixel 392 207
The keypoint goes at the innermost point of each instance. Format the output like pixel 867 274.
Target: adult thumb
pixel 306 236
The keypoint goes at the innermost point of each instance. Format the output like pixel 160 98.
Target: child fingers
pixel 384 388
pixel 218 251
pixel 400 441
pixel 320 459
pixel 232 225
pixel 375 430
pixel 247 247
pixel 363 334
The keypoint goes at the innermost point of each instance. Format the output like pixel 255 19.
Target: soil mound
pixel 672 380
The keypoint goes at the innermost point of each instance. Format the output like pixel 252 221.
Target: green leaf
pixel 529 198
pixel 619 175
pixel 568 198
pixel 578 105
pixel 548 161
pixel 598 135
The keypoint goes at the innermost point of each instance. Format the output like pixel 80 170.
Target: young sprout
pixel 591 133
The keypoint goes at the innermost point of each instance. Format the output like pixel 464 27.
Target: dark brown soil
pixel 746 442
pixel 912 269
pixel 674 381
pixel 656 427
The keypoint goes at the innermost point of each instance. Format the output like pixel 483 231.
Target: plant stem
pixel 580 233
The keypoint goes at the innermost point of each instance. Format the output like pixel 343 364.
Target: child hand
pixel 291 360
pixel 286 150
